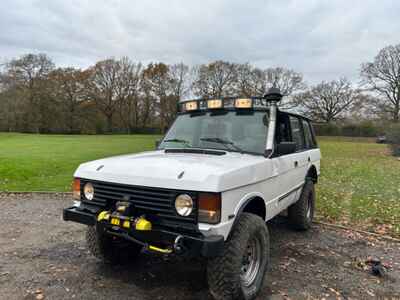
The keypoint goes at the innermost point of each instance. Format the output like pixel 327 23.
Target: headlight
pixel 88 191
pixel 184 205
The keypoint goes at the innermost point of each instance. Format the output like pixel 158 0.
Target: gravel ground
pixel 43 257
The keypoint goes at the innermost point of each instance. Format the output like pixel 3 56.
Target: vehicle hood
pixel 183 171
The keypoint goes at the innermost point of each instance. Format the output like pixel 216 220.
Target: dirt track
pixel 41 253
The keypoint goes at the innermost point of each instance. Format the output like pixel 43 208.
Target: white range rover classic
pixel 224 168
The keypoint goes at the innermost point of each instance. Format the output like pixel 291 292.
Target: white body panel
pixel 238 177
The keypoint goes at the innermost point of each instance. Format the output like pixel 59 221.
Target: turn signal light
pixel 215 103
pixel 192 105
pixel 243 103
pixel 209 208
pixel 76 189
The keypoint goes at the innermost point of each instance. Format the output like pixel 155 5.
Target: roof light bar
pixel 191 105
pixel 243 103
pixel 214 104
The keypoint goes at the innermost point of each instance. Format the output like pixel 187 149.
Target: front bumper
pixel 189 244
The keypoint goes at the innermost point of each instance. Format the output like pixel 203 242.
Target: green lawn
pixel 360 182
pixel 360 185
pixel 47 162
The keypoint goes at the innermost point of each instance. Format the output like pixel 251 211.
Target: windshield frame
pixel 225 149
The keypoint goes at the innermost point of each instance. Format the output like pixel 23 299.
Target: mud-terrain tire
pixel 301 213
pixel 226 274
pixel 108 249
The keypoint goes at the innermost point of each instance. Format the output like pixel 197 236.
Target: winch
pixel 122 218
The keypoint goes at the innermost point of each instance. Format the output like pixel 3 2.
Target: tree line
pixel 121 95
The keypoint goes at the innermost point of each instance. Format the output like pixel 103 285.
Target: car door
pixel 283 164
pixel 300 160
pixel 313 152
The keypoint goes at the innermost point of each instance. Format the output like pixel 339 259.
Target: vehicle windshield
pixel 228 131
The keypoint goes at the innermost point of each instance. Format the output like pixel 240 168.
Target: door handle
pixel 309 159
pixel 296 164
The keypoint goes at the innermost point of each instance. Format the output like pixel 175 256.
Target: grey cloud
pixel 322 39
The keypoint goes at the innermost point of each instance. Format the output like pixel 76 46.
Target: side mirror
pixel 285 148
pixel 158 142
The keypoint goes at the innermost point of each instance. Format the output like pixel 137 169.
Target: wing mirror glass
pixel 285 148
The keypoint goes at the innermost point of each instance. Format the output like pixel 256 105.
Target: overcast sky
pixel 322 39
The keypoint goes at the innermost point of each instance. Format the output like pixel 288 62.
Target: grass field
pixel 360 182
pixel 47 162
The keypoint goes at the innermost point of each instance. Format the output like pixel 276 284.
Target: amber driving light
pixel 76 189
pixel 209 208
pixel 215 103
pixel 243 103
pixel 192 105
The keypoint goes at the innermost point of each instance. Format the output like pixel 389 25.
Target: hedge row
pixel 363 129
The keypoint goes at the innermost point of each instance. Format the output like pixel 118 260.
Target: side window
pixel 283 129
pixel 310 142
pixel 297 132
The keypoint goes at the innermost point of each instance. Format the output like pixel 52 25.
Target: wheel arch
pixel 312 174
pixel 253 204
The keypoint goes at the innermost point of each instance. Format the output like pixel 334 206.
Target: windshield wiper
pixel 223 142
pixel 182 141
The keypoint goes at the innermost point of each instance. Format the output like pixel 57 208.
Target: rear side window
pixel 297 132
pixel 308 134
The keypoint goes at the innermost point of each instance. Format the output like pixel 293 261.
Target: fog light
pixel 88 191
pixel 184 205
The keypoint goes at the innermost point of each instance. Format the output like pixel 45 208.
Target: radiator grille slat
pixel 154 202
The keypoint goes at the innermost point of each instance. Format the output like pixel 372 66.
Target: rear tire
pixel 109 249
pixel 239 272
pixel 301 213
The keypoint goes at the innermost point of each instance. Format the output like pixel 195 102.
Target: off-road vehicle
pixel 224 168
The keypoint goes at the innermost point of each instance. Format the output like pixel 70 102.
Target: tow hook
pixel 179 246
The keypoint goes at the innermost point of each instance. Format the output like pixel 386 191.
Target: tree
pixel 157 83
pixel 287 81
pixel 129 81
pixel 383 76
pixel 327 101
pixel 215 80
pixel 28 75
pixel 181 80
pixel 250 81
pixel 68 89
pixel 102 88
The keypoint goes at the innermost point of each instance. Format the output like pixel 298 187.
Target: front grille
pixel 155 203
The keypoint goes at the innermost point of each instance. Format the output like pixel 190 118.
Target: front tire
pixel 301 213
pixel 239 272
pixel 109 249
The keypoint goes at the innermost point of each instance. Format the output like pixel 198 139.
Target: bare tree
pixel 102 88
pixel 250 81
pixel 327 101
pixel 383 76
pixel 288 81
pixel 181 80
pixel 216 79
pixel 128 89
